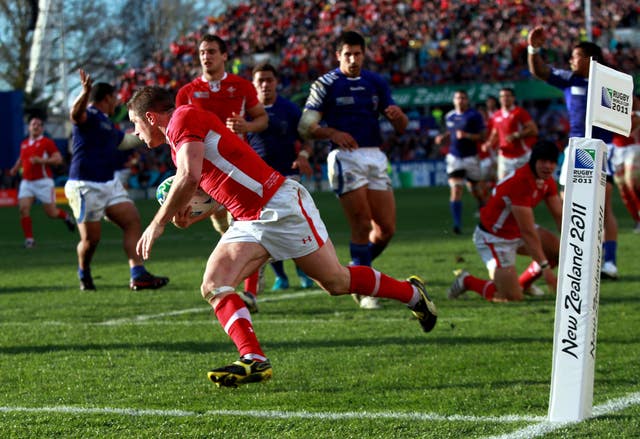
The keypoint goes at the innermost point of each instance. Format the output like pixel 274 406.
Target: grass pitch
pixel 117 363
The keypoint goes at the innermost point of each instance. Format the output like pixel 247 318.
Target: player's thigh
pixel 383 209
pixel 507 285
pixel 124 214
pixel 90 231
pixel 231 262
pixel 355 205
pixel 50 209
pixel 24 205
pixel 324 267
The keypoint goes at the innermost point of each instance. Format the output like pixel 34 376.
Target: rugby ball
pixel 201 202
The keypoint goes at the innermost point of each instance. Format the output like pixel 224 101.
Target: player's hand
pixel 344 140
pixel 550 278
pixel 151 233
pixel 537 37
pixel 237 123
pixel 302 164
pixel 393 112
pixel 86 81
pixel 37 160
pixel 182 219
pixel 460 134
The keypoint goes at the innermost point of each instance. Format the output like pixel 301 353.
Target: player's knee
pixel 210 293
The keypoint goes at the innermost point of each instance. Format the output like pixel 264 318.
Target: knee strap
pixel 209 296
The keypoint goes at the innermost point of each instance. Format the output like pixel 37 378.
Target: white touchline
pixel 545 427
pixel 142 318
pixel 541 427
pixel 271 414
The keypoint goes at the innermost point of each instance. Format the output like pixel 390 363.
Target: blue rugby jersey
pixel 353 105
pixel 95 148
pixel 276 144
pixel 574 88
pixel 470 122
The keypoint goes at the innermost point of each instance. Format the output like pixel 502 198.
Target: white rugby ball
pixel 201 202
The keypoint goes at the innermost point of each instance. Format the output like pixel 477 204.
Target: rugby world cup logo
pixel 607 95
pixel 585 158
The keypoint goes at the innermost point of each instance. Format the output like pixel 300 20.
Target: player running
pixel 274 217
pixel 37 154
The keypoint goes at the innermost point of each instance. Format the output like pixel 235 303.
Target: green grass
pixel 116 363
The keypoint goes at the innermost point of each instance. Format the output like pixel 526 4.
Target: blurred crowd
pixel 409 42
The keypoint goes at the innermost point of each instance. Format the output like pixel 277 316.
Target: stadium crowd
pixel 408 42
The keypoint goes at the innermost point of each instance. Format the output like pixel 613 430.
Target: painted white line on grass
pixel 271 414
pixel 543 428
pixel 142 318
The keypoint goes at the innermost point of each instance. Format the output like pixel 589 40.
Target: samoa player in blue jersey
pixel 349 101
pixel 278 146
pixel 465 128
pixel 93 190
pixel 573 84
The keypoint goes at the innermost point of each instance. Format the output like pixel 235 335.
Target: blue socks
pixel 360 254
pixel 456 213
pixel 610 249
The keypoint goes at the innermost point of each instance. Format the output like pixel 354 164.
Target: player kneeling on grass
pixel 507 227
pixel 274 217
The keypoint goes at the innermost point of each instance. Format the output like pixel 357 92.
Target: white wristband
pixel 304 154
pixel 532 50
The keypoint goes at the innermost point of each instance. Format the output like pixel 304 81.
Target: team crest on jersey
pixel 201 94
pixel 345 100
pixel 231 90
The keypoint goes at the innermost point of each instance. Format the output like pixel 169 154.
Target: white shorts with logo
pixel 470 165
pixel 89 199
pixel 41 189
pixel 506 165
pixel 495 251
pixel 351 170
pixel 289 226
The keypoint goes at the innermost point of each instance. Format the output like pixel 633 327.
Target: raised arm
pixel 537 66
pixel 78 113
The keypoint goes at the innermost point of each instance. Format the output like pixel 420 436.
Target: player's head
pixel 507 97
pixel 104 95
pixel 212 52
pixel 265 80
pixel 150 109
pixel 35 127
pixel 460 101
pixel 543 159
pixel 492 103
pixel 350 53
pixel 581 57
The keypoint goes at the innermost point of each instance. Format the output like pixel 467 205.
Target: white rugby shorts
pixel 42 189
pixel 89 199
pixel 351 170
pixel 495 251
pixel 507 165
pixel 289 226
pixel 471 166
